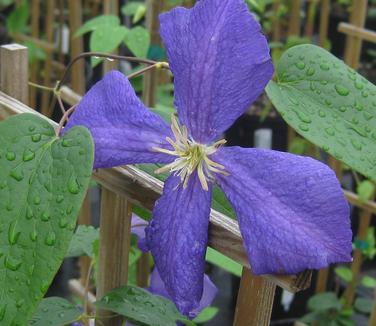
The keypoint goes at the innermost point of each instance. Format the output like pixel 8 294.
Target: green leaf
pixel 98 22
pixel 35 53
pixel 82 241
pixel 131 8
pixel 344 273
pixel 298 146
pixel 141 307
pixel 324 301
pixel 43 181
pixel 137 40
pixel 206 315
pixel 139 14
pixel 364 305
pixel 365 190
pixel 368 282
pixel 329 104
pixel 106 39
pixel 17 20
pixel 55 311
pixel 216 258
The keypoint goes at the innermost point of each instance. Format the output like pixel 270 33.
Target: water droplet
pixel 45 217
pixel 59 198
pixel 325 148
pixel 67 142
pixel 36 138
pixel 368 116
pixel 322 114
pixel 44 286
pixel 324 66
pixel 341 90
pixel 13 234
pixel 328 102
pixel 69 209
pixel 356 144
pixel 33 235
pixel 342 108
pixel 11 156
pixel 338 155
pixel 300 65
pixel 330 131
pixel 358 85
pixel 63 222
pixel 50 238
pixel 3 184
pixel 310 71
pixel 358 106
pixel 29 213
pixel 31 128
pixel 303 117
pixel 323 82
pixel 30 270
pixel 358 130
pixel 355 120
pixel 12 264
pixel 73 186
pixel 3 309
pixel 303 127
pixel 9 207
pixel 20 303
pixel 36 200
pixel 28 155
pixel 17 174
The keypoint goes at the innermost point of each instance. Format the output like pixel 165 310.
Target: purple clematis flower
pixel 291 210
pixel 157 285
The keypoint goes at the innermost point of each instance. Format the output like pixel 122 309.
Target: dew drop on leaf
pixel 59 199
pixel 13 234
pixel 300 65
pixel 63 222
pixel 45 216
pixel 33 235
pixel 12 264
pixel 310 71
pixel 330 131
pixel 11 156
pixel 17 174
pixel 36 138
pixel 36 200
pixel 3 309
pixel 28 155
pixel 341 90
pixel 324 66
pixel 73 186
pixel 356 144
pixel 50 238
pixel 303 127
pixel 29 213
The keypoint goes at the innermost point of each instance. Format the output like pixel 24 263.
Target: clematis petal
pixel 291 210
pixel 138 226
pixel 124 130
pixel 177 237
pixel 220 61
pixel 209 293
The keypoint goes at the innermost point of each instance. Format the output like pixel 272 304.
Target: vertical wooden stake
pixel 372 318
pixel 115 237
pixel 255 300
pixel 35 15
pixel 14 71
pixel 324 22
pixel 294 27
pixel 354 44
pixel 84 219
pixel 48 62
pixel 275 22
pixel 310 20
pixel 76 46
pixel 110 7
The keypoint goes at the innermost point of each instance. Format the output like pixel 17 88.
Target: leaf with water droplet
pixel 338 101
pixel 30 213
pixel 141 307
pixel 54 311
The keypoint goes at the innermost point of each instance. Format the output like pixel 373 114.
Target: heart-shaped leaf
pixel 82 241
pixel 106 39
pixel 97 23
pixel 55 311
pixel 329 104
pixel 141 307
pixel 137 40
pixel 43 181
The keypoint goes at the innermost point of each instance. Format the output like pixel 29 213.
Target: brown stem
pixel 100 55
pixel 64 119
pixel 157 65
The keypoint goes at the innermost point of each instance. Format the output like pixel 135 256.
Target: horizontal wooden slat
pixel 362 33
pixel 143 189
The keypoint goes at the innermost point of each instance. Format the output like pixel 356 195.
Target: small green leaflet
pixel 207 314
pixel 82 241
pixel 365 190
pixel 43 181
pixel 364 305
pixel 216 258
pixel 137 39
pixel 368 282
pixel 324 301
pixel 55 311
pixel 141 307
pixel 106 39
pixel 344 273
pixel 329 104
pixel 17 20
pixel 135 9
pixel 97 23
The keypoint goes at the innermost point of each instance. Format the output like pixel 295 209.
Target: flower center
pixel 191 156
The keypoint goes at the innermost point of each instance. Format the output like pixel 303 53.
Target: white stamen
pixel 191 156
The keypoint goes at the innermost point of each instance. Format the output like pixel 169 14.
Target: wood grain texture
pixel 324 22
pixel 14 71
pixel 115 242
pixel 35 16
pixel 255 300
pixel 295 20
pixel 362 33
pixel 141 188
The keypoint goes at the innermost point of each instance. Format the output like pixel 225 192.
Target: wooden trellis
pixel 122 186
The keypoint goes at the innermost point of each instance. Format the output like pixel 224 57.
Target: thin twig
pixel 60 103
pixel 64 119
pixel 86 299
pixel 157 65
pixel 45 88
pixel 100 55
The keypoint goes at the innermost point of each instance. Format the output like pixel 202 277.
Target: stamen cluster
pixel 191 156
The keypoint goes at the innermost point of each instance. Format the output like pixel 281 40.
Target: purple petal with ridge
pixel 291 209
pixel 220 61
pixel 123 129
pixel 209 293
pixel 177 237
